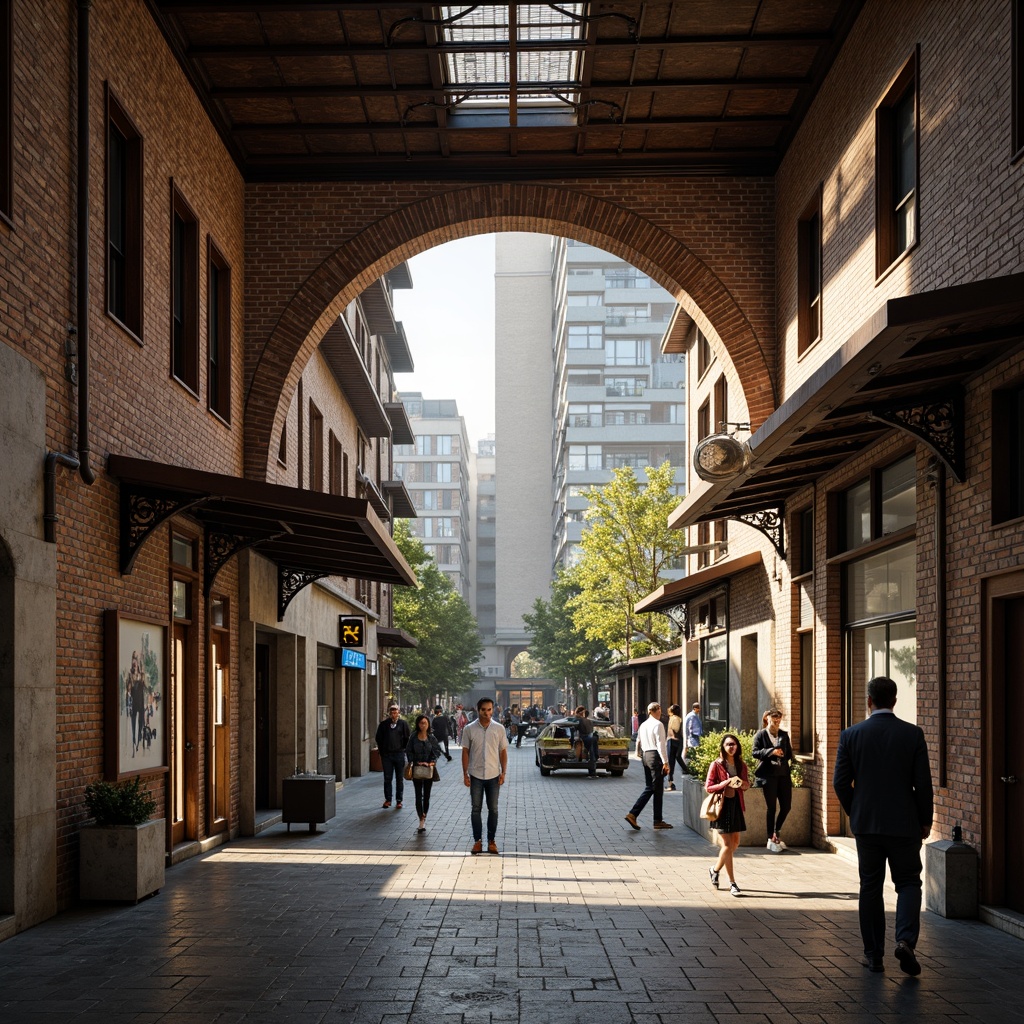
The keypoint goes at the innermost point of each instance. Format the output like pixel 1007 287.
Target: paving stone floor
pixel 580 921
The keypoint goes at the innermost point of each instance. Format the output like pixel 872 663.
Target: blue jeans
pixel 655 785
pixel 904 856
pixel 394 766
pixel 478 789
pixel 590 746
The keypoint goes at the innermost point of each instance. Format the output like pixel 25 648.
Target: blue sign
pixel 352 659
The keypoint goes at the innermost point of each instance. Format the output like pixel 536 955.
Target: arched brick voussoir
pixel 391 237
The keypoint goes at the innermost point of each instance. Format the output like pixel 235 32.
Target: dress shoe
pixel 907 959
pixel 398 806
pixel 662 824
pixel 874 964
pixel 492 847
pixel 671 786
pixel 631 818
pixel 478 847
pixel 387 803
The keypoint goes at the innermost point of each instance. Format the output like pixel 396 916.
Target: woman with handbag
pixel 728 775
pixel 774 753
pixel 423 751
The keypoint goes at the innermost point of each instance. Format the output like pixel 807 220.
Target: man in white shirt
pixel 651 741
pixel 484 762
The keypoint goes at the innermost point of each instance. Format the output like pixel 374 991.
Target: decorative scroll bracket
pixel 679 616
pixel 143 511
pixel 937 422
pixel 222 545
pixel 769 522
pixel 290 582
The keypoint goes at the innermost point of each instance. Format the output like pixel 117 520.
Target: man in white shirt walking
pixel 651 741
pixel 484 762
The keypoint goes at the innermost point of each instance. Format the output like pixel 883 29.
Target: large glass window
pixel 714 670
pixel 883 504
pixel 585 415
pixel 218 334
pixel 585 336
pixel 124 218
pixel 896 144
pixel 809 252
pixel 585 457
pixel 184 293
pixel 627 352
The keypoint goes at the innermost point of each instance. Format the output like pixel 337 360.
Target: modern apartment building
pixel 481 547
pixel 435 470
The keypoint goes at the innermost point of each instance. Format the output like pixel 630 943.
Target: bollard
pixel 951 887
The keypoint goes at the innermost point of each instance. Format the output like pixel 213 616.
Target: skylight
pixel 544 77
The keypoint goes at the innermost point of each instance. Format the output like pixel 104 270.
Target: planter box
pixel 123 863
pixel 797 831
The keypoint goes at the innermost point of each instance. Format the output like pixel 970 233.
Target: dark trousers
pixel 778 788
pixel 478 790
pixel 520 733
pixel 903 854
pixel 675 757
pixel 590 746
pixel 394 767
pixel 655 785
pixel 422 787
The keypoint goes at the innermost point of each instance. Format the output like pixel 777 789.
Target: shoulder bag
pixel 408 770
pixel 711 808
pixel 422 771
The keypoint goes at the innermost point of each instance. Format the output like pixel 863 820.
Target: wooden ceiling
pixel 380 91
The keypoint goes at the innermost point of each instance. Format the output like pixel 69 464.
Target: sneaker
pixel 714 877
pixel 631 818
pixel 773 847
pixel 671 786
pixel 662 824
pixel 734 889
pixel 478 847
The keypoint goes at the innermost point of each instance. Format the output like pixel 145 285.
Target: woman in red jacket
pixel 728 776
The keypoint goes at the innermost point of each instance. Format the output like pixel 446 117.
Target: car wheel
pixel 544 770
pixel 617 772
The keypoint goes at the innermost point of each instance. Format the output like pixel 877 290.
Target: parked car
pixel 558 747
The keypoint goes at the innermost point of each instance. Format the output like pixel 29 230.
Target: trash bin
pixel 308 798
pixel 951 878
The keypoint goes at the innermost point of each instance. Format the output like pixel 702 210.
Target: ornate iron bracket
pixel 937 422
pixel 768 521
pixel 143 511
pixel 679 615
pixel 221 546
pixel 290 582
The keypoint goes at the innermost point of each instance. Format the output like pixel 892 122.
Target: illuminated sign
pixel 352 630
pixel 352 659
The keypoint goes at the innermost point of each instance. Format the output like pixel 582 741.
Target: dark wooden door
pixel 1010 777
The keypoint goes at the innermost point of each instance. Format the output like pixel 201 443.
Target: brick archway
pixel 279 347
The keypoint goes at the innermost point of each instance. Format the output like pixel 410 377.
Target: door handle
pixel 189 747
pixel 1008 778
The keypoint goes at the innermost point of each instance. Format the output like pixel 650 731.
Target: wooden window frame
pixel 704 355
pixel 704 419
pixel 316 448
pixel 335 462
pixel 886 212
pixel 810 284
pixel 721 411
pixel 129 312
pixel 184 287
pixel 6 110
pixel 218 332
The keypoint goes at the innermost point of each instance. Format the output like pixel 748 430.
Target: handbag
pixel 437 778
pixel 408 770
pixel 422 771
pixel 711 808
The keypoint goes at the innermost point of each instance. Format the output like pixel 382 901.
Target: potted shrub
pixel 121 856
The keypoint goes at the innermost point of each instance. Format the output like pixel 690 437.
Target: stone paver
pixel 580 921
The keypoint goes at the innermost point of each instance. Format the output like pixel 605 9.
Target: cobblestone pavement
pixel 580 921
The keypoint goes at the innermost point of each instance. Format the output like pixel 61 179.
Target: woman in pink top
pixel 728 775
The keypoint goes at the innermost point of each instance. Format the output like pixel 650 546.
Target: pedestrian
pixel 727 775
pixel 650 744
pixel 514 721
pixel 441 728
pixel 883 780
pixel 392 738
pixel 588 736
pixel 675 743
pixel 461 721
pixel 484 762
pixel 423 751
pixel 774 754
pixel 693 729
pixel 634 724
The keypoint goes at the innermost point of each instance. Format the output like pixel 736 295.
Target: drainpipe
pixel 50 492
pixel 86 471
pixel 937 478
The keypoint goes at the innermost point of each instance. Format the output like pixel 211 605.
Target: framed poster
pixel 135 684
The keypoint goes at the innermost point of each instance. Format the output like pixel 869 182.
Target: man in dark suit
pixel 883 780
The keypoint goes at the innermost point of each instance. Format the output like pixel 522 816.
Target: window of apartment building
pixel 282 448
pixel 703 539
pixel 585 298
pixel 361 448
pixel 625 417
pixel 184 293
pixel 623 316
pixel 316 449
pixel 585 336
pixel 124 218
pixel 704 357
pixel 625 277
pixel 704 420
pixel 362 336
pixel 624 387
pixel 583 380
pixel 6 134
pixel 585 457
pixel 334 463
pixel 802 555
pixel 883 504
pixel 619 460
pixel 1008 454
pixel 896 184
pixel 1017 103
pixel 627 352
pixel 721 404
pixel 424 444
pixel 218 333
pixel 585 415
pixel 808 298
pixel 446 473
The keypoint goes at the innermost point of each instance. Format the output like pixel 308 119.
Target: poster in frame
pixel 135 683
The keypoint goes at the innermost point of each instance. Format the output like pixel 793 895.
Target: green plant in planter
pixel 709 749
pixel 119 803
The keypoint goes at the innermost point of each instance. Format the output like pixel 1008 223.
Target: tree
pixel 626 547
pixel 436 614
pixel 563 648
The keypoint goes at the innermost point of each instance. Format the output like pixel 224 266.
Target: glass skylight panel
pixel 544 77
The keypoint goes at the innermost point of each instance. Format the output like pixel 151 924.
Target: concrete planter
pixel 123 862
pixel 798 825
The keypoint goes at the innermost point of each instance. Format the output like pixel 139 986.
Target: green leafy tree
pixel 626 548
pixel 436 614
pixel 563 648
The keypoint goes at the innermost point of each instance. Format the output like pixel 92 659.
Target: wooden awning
pixel 673 594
